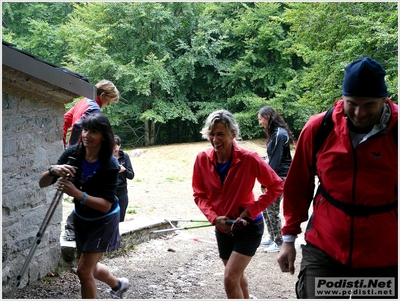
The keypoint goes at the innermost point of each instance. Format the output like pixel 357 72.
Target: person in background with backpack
pixel 107 94
pixel 353 230
pixel 279 139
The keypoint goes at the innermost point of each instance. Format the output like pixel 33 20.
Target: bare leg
pixel 235 282
pixel 88 270
pixel 244 284
pixel 86 267
pixel 103 274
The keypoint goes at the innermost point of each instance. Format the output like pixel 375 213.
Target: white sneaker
pixel 252 296
pixel 124 287
pixel 273 248
pixel 69 234
pixel 267 243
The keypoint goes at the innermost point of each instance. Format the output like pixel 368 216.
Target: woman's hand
pixel 63 170
pixel 244 213
pixel 66 186
pixel 220 222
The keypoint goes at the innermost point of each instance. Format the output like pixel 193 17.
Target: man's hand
pixel 286 257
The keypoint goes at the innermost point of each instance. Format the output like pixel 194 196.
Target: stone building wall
pixel 31 135
pixel 34 93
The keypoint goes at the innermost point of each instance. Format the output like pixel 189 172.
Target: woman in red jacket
pixel 223 181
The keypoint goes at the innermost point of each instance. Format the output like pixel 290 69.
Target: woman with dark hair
pixel 279 139
pixel 126 172
pixel 92 181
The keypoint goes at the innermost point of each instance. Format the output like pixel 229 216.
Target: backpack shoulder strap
pixel 324 129
pixel 395 132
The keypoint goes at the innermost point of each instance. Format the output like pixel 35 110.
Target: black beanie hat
pixel 364 78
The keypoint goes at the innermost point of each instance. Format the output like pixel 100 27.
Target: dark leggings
pixel 123 204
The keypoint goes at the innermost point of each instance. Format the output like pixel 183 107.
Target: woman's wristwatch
pixel 51 172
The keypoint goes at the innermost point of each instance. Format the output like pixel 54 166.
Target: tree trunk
pixel 149 133
pixel 146 133
pixel 152 132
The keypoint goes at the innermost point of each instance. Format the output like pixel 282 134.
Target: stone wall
pixel 31 139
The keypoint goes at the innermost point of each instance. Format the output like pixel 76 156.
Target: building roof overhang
pixel 28 74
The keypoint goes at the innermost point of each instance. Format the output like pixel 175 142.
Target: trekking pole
pixel 188 220
pixel 183 228
pixel 237 221
pixel 236 224
pixel 50 212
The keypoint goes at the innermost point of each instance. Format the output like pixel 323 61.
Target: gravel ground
pixel 176 265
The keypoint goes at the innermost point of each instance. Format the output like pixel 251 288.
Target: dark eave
pixel 36 71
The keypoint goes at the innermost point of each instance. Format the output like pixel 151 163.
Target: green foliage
pixel 328 36
pixel 46 279
pixel 34 27
pixel 131 211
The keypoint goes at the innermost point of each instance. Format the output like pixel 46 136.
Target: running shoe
pixel 273 248
pixel 69 234
pixel 267 243
pixel 124 287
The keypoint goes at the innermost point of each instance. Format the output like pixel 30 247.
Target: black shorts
pixel 244 242
pixel 101 235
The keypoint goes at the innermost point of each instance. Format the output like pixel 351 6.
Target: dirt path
pixel 177 265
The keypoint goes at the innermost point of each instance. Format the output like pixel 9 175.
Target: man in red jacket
pixel 353 230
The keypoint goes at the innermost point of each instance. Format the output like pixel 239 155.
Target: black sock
pixel 117 287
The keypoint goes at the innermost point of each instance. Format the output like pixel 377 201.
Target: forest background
pixel 176 62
